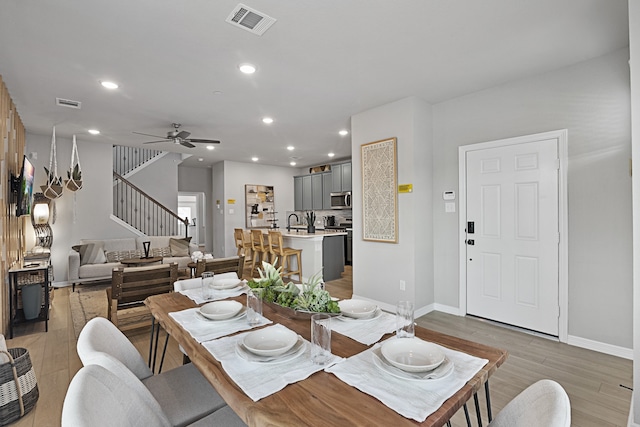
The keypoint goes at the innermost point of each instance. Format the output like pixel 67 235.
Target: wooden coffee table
pixel 135 262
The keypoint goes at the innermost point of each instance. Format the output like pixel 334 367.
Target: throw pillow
pixel 163 252
pixel 179 247
pixel 117 256
pixel 91 253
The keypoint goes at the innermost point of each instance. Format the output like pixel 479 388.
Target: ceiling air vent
pixel 68 103
pixel 250 19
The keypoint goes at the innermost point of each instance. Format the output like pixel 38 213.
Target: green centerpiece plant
pixel 309 297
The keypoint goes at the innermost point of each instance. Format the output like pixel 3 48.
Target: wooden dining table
pixel 322 399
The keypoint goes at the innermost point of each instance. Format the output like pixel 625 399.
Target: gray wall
pixel 160 180
pixel 235 176
pixel 92 204
pixel 199 180
pixel 591 100
pixel 379 267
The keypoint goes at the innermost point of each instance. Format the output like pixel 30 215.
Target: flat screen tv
pixel 25 188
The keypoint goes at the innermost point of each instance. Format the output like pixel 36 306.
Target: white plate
pixel 220 310
pixel 357 308
pixel 270 341
pixel 220 284
pixel 443 371
pixel 412 354
pixel 241 286
pixel 376 314
pixel 298 348
pixel 239 315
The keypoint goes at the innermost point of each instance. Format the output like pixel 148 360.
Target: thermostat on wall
pixel 449 195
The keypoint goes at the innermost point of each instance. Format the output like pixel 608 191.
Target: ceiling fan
pixel 178 136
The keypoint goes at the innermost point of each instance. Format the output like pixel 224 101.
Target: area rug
pixel 87 302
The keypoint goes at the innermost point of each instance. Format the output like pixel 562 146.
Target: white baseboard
pixel 448 309
pixel 614 350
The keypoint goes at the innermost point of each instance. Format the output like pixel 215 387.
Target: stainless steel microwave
pixel 341 200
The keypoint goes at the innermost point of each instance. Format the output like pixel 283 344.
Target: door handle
pixel 471 242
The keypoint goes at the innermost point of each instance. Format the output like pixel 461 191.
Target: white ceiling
pixel 320 63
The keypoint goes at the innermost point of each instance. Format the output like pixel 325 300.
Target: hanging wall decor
pixel 54 187
pixel 74 183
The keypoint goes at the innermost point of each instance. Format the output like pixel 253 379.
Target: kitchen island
pixel 322 250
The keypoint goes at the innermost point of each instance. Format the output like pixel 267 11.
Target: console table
pixel 28 272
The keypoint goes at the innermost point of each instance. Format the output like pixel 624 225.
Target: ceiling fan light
pixel 247 68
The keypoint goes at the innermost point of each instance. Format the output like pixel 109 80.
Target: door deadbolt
pixel 471 242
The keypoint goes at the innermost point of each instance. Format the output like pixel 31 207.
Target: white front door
pixel 512 234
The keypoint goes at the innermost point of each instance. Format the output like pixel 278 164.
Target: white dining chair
pixel 97 397
pixel 183 393
pixel 542 404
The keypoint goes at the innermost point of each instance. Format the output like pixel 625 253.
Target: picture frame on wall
pixel 379 191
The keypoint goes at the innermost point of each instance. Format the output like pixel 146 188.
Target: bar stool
pixel 260 251
pixel 284 255
pixel 243 243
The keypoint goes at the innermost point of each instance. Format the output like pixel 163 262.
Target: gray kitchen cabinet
pixel 327 185
pixel 316 192
pixel 341 177
pixel 307 193
pixel 297 193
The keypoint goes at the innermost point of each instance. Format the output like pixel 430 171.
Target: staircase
pixel 135 207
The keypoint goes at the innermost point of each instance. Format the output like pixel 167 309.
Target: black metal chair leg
pixel 466 415
pixel 486 392
pixel 448 423
pixel 155 349
pixel 477 405
pixel 164 351
pixel 153 324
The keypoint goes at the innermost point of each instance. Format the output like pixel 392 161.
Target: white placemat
pixel 365 331
pixel 260 380
pixel 205 330
pixel 411 399
pixel 195 294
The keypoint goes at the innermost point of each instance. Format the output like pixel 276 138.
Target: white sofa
pixel 108 252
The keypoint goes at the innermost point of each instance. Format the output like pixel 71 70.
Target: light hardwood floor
pixel 597 384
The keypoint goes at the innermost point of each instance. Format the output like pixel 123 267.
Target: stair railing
pixel 143 212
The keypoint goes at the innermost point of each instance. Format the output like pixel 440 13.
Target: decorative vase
pixel 31 300
pixel 311 229
pixel 52 191
pixel 146 246
pixel 73 185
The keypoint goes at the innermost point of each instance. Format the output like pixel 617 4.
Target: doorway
pixel 513 228
pixel 191 205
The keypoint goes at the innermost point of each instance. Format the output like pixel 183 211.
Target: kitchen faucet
pixel 289 219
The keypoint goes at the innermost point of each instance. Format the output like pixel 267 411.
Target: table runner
pixel 411 399
pixel 205 330
pixel 259 380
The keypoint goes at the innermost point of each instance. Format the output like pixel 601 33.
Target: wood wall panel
pixel 12 135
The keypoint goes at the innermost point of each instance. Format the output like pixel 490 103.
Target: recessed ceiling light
pixel 247 68
pixel 255 159
pixel 291 148
pixel 292 163
pixel 210 147
pixel 109 85
pixel 94 131
pixel 344 132
pixel 200 159
pixel 267 120
pixel 332 154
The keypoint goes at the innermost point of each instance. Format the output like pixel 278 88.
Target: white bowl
pixel 357 308
pixel 225 283
pixel 412 354
pixel 220 310
pixel 270 341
